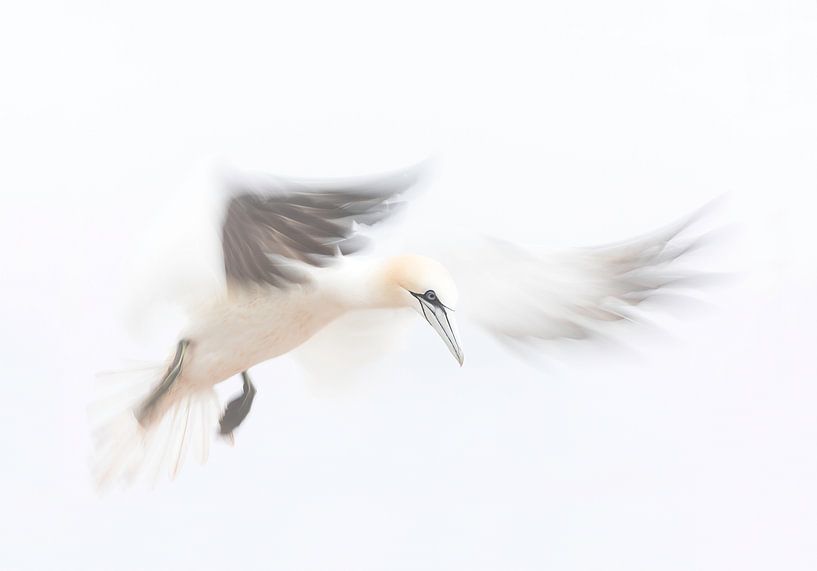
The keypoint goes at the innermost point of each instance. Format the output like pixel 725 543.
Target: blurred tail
pixel 129 446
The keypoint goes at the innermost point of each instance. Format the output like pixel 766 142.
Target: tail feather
pixel 128 452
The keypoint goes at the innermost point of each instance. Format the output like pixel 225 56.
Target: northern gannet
pixel 278 277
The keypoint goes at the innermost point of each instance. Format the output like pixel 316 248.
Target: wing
pixel 272 224
pixel 525 296
pixel 335 356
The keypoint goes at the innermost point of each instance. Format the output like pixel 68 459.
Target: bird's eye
pixel 430 295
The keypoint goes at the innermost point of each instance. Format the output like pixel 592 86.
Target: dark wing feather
pixel 271 222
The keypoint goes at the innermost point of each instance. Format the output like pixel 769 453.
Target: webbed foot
pixel 238 408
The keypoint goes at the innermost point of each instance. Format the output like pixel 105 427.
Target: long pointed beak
pixel 442 320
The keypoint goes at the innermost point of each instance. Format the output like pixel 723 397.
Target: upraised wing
pixel 271 222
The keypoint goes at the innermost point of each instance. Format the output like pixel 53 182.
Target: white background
pixel 558 123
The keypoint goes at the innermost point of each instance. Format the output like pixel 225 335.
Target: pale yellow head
pixel 426 286
pixel 417 274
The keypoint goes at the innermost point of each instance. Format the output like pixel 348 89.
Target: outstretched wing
pixel 526 296
pixel 271 222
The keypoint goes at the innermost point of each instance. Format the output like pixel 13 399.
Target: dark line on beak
pixel 423 308
pixel 454 345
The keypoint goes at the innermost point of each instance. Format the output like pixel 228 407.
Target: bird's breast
pixel 240 331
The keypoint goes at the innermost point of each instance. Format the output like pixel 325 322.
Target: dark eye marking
pixel 430 297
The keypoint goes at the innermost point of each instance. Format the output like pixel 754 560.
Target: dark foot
pixel 170 377
pixel 238 408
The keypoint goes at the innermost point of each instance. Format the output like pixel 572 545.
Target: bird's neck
pixel 365 284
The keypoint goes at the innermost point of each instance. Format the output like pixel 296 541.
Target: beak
pixel 442 320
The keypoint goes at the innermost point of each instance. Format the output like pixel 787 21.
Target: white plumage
pixel 255 266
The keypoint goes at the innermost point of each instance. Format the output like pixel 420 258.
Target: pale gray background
pixel 561 123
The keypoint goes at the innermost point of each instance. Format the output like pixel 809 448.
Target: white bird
pixel 277 277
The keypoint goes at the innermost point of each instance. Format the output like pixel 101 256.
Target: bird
pixel 283 264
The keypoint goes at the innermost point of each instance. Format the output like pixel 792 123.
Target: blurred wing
pixel 178 262
pixel 525 296
pixel 341 350
pixel 271 222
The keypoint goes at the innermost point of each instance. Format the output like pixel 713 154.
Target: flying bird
pixel 280 268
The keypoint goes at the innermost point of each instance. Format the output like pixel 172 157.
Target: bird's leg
pixel 238 408
pixel 167 381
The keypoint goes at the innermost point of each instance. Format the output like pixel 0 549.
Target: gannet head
pixel 426 286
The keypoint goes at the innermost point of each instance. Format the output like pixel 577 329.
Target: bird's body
pixel 246 326
pixel 240 330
